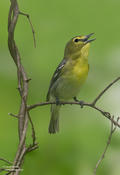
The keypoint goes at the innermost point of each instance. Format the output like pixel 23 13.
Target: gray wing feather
pixel 55 76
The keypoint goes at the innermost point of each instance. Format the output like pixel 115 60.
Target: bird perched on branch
pixel 69 76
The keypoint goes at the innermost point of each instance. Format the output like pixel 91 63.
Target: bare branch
pixel 33 130
pixel 13 115
pixel 3 169
pixel 112 130
pixel 104 113
pixel 33 31
pixel 4 160
pixel 23 81
pixel 32 147
pixel 99 96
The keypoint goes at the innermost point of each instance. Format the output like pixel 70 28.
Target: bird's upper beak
pixel 87 37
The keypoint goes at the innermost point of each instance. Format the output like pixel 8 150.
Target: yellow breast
pixel 80 71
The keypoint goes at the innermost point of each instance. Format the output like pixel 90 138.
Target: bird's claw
pixel 80 102
pixel 75 99
pixel 57 101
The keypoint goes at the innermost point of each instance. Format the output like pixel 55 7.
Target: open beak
pixel 87 38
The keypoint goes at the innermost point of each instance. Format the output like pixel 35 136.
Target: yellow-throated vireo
pixel 69 76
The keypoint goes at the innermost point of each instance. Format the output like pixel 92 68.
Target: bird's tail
pixel 54 121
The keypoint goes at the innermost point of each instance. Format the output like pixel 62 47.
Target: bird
pixel 69 76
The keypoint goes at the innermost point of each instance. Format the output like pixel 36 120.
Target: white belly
pixel 66 89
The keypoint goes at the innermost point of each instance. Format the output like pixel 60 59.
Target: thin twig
pixel 33 130
pixel 13 115
pixel 99 96
pixel 8 173
pixel 4 160
pixel 9 170
pixel 112 130
pixel 104 113
pixel 32 147
pixel 3 169
pixel 33 31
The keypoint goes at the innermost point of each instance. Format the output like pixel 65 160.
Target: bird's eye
pixel 76 40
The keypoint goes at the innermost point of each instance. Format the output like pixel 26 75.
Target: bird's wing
pixel 55 76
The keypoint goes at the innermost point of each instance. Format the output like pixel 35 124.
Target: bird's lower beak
pixel 87 37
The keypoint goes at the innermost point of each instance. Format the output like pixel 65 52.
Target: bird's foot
pixel 80 102
pixel 75 99
pixel 57 101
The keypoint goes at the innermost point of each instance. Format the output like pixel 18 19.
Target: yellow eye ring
pixel 76 40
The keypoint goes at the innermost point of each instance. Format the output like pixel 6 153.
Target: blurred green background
pixel 83 132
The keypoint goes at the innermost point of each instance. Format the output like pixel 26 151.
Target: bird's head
pixel 78 44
